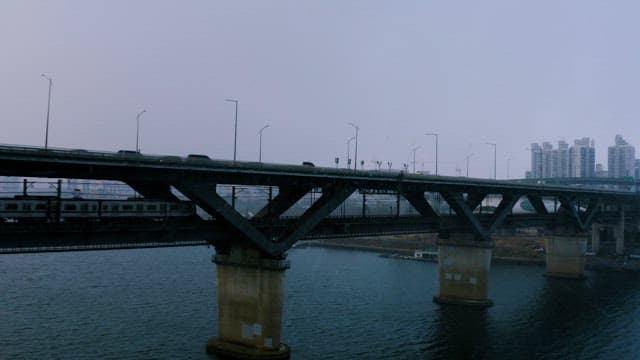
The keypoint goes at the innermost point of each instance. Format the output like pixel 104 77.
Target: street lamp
pixel 494 159
pixel 138 129
pixel 436 136
pixel 508 163
pixel 349 150
pixel 46 134
pixel 468 156
pixel 355 166
pixel 414 158
pixel 235 128
pixel 260 146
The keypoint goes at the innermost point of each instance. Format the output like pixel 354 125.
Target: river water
pixel 339 304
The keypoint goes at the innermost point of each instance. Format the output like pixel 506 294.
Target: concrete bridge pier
pixel 596 230
pixel 464 264
pixel 250 296
pixel 565 249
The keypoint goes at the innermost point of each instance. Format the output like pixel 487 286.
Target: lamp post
pixel 235 128
pixel 508 164
pixel 260 146
pixel 494 159
pixel 468 156
pixel 414 157
pixel 349 150
pixel 355 166
pixel 436 136
pixel 46 133
pixel 138 129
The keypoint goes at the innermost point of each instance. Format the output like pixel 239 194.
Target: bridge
pixel 251 250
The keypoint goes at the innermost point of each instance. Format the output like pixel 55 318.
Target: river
pixel 339 304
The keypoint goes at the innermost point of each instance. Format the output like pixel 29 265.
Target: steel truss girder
pixel 582 221
pixel 417 200
pixel 463 210
pixel 474 199
pixel 282 202
pixel 206 196
pixel 503 209
pixel 538 204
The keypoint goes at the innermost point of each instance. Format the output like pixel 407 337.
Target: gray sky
pixel 508 72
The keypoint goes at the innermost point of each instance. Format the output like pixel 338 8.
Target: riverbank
pixel 520 250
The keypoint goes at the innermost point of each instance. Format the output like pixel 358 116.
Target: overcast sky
pixel 507 72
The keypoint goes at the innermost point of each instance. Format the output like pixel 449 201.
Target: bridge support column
pixel 566 254
pixel 464 265
pixel 250 294
pixel 619 234
pixel 595 237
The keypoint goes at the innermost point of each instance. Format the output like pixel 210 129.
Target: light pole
pixel 508 163
pixel 355 166
pixel 349 150
pixel 235 128
pixel 46 133
pixel 260 146
pixel 138 129
pixel 468 156
pixel 495 171
pixel 436 136
pixel 414 158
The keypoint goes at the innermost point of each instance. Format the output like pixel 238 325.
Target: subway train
pixel 45 208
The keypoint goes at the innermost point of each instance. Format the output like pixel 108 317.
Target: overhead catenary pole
pixel 235 128
pixel 46 132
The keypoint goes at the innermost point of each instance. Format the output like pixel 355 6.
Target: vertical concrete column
pixel 595 237
pixel 250 296
pixel 566 254
pixel 463 267
pixel 619 234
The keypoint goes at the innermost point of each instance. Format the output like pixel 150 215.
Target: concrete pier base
pixel 566 255
pixel 596 230
pixel 250 299
pixel 464 265
pixel 618 231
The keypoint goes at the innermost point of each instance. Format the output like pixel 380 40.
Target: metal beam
pixel 569 205
pixel 286 198
pixel 417 200
pixel 503 209
pixel 538 204
pixel 474 199
pixel 206 196
pixel 332 197
pixel 153 190
pixel 457 203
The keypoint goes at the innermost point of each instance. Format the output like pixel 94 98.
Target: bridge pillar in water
pixel 463 267
pixel 565 254
pixel 618 231
pixel 250 296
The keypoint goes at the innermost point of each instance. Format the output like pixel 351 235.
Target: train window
pixel 70 207
pixel 26 206
pixel 163 207
pixel 127 207
pixel 114 207
pixel 94 207
pixel 139 207
pixel 105 207
pixel 152 207
pixel 11 206
pixel 41 207
pixel 173 207
pixel 84 207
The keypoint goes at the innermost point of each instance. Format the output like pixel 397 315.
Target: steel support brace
pixel 457 203
pixel 417 200
pixel 570 206
pixel 474 199
pixel 332 197
pixel 153 190
pixel 503 209
pixel 282 202
pixel 206 196
pixel 538 204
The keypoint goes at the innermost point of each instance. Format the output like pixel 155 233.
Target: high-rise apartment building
pixel 565 161
pixel 582 158
pixel 621 158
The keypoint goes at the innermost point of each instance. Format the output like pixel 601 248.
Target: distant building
pixel 621 159
pixel 536 161
pixel 601 172
pixel 547 162
pixel 582 158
